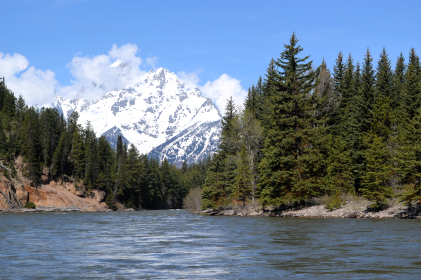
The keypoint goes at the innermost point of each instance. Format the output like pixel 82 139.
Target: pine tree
pixel 367 91
pixel 106 164
pixel 339 166
pixel 59 157
pixel 214 193
pixel 30 143
pixel 339 70
pixel 132 191
pixel 291 166
pixel 3 139
pixel 409 160
pixel 77 155
pixel 227 128
pixel 378 172
pixel 398 84
pixel 243 180
pixel 412 90
pixel 268 89
pixel 384 76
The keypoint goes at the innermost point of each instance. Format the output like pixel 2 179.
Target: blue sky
pixel 204 38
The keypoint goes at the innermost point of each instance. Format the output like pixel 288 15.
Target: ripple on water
pixel 175 244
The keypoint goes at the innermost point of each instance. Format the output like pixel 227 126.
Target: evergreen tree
pixel 227 128
pixel 106 164
pixel 214 193
pixel 409 160
pixel 339 166
pixel 398 101
pixel 3 139
pixel 339 70
pixel 412 81
pixel 269 89
pixel 243 180
pixel 378 171
pixel 30 143
pixel 291 166
pixel 384 76
pixel 367 91
pixel 59 156
pixel 77 155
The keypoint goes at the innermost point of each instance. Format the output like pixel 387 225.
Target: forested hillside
pixel 73 153
pixel 305 131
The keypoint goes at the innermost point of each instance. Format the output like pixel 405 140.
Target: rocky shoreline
pixel 43 209
pixel 358 209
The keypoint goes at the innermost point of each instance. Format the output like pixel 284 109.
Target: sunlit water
pixel 175 244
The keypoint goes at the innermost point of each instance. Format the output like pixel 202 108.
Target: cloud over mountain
pixel 94 76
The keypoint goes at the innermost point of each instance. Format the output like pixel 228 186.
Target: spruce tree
pixel 398 101
pixel 367 91
pixel 243 189
pixel 227 128
pixel 30 143
pixel 339 70
pixel 375 183
pixel 409 160
pixel 77 155
pixel 412 90
pixel 268 89
pixel 339 166
pixel 215 192
pixel 384 76
pixel 292 162
pixel 3 139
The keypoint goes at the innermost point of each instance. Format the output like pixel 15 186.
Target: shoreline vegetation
pixel 304 133
pixel 354 209
pixel 306 142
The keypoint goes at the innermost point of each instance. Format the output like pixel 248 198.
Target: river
pixel 177 245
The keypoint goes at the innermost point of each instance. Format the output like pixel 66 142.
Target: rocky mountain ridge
pixel 157 113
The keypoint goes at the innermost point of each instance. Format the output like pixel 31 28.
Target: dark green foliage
pixel 412 90
pixel 339 166
pixel 398 101
pixel 375 183
pixel 409 160
pixel 30 143
pixel 367 91
pixel 77 155
pixel 243 180
pixel 215 190
pixel 30 205
pixel 291 167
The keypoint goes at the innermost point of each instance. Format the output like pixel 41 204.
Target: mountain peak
pixel 158 115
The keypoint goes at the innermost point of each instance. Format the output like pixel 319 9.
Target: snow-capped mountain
pixel 158 114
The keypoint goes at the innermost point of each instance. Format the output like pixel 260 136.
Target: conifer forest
pixel 304 131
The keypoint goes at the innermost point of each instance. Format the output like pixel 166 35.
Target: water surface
pixel 175 244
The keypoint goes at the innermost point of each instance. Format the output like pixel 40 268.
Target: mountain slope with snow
pixel 158 114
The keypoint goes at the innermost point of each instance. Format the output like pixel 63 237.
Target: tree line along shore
pixel 306 133
pixel 303 134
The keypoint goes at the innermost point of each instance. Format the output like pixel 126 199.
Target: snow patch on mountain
pixel 157 113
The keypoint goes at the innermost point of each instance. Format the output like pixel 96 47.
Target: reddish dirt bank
pixel 58 193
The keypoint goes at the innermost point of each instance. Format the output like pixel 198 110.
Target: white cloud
pixel 221 89
pixel 190 80
pixel 36 86
pixel 95 76
pixel 152 61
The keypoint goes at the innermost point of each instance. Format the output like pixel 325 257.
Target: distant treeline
pixel 71 152
pixel 305 132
